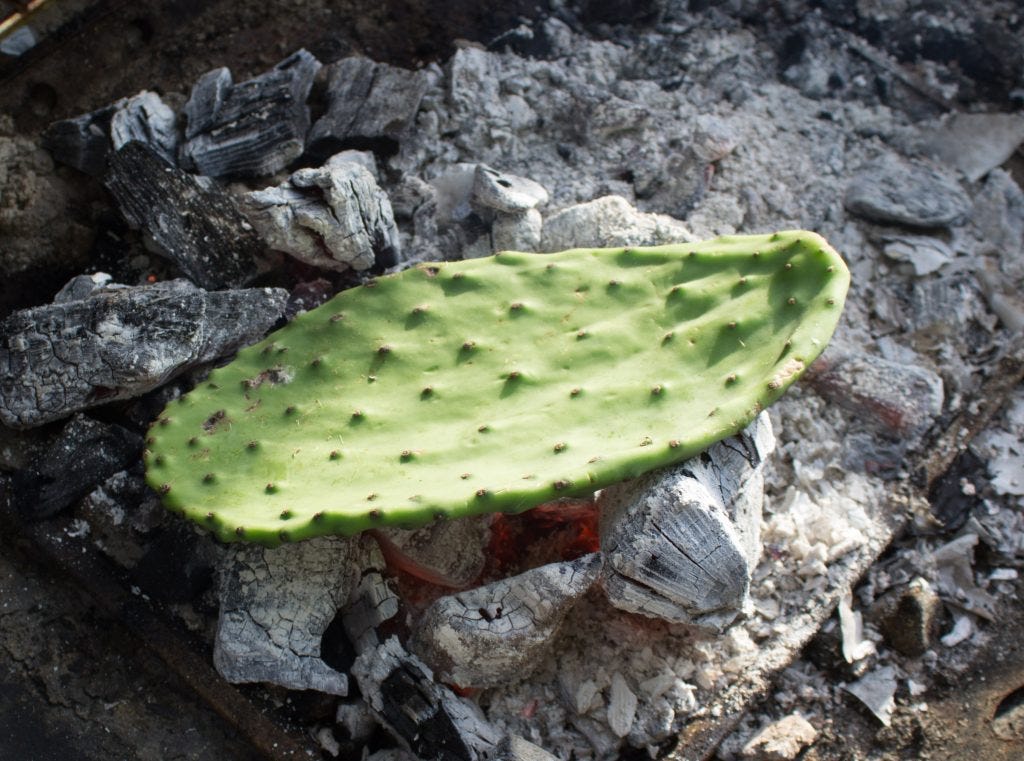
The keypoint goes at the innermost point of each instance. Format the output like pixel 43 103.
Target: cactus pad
pixel 495 384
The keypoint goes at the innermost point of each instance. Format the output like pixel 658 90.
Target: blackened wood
pixel 119 343
pixel 253 128
pixel 196 225
pixel 82 142
pixel 367 101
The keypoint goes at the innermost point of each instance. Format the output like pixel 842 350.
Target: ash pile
pixel 655 615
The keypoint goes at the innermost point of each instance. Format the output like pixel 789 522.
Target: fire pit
pixel 591 626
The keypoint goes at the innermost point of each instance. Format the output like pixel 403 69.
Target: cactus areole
pixel 495 384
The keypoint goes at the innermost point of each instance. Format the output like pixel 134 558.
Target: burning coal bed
pixel 582 627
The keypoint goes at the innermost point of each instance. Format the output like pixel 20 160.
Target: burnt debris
pixel 84 455
pixel 194 223
pixel 682 542
pixel 333 217
pixel 119 342
pixel 369 105
pixel 85 142
pixel 276 605
pixel 249 129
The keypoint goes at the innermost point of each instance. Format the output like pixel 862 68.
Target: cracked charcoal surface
pixel 196 225
pixel 249 129
pixel 496 633
pixel 373 601
pixel 318 416
pixel 119 343
pixel 85 453
pixel 333 217
pixel 366 101
pixel 275 606
pixel 682 542
pixel 431 719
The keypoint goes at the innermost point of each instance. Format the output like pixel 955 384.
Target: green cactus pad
pixel 495 384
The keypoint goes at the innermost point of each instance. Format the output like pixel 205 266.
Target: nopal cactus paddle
pixel 495 384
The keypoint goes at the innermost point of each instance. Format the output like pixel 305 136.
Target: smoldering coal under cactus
pixel 495 384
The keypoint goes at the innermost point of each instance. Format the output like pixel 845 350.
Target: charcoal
pixel 680 543
pixel 249 129
pixel 372 603
pixel 911 193
pixel 366 102
pixel 499 632
pixel 432 720
pixel 197 226
pixel 81 287
pixel 82 142
pixel 506 193
pixel 275 605
pixel 146 119
pixel 895 398
pixel 86 141
pixel 85 454
pixel 119 343
pixel 448 553
pixel 333 217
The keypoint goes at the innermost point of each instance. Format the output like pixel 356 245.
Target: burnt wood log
pixel 680 543
pixel 498 633
pixel 275 605
pixel 195 225
pixel 120 342
pixel 86 141
pixel 253 128
pixel 367 104
pixel 333 217
pixel 446 553
pixel 429 718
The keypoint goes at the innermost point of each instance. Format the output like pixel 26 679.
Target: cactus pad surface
pixel 495 384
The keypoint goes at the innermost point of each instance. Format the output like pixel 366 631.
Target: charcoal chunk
pixel 82 142
pixel 334 217
pixel 681 543
pixel 490 635
pixel 85 453
pixel 275 605
pixel 146 119
pixel 431 719
pixel 367 101
pixel 911 193
pixel 196 226
pixel 119 343
pixel 85 142
pixel 253 128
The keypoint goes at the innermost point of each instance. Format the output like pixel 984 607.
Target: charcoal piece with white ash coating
pixel 499 632
pixel 249 129
pixel 372 602
pixel 275 607
pixel 120 342
pixel 333 217
pixel 429 718
pixel 367 102
pixel 680 543
pixel 195 224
